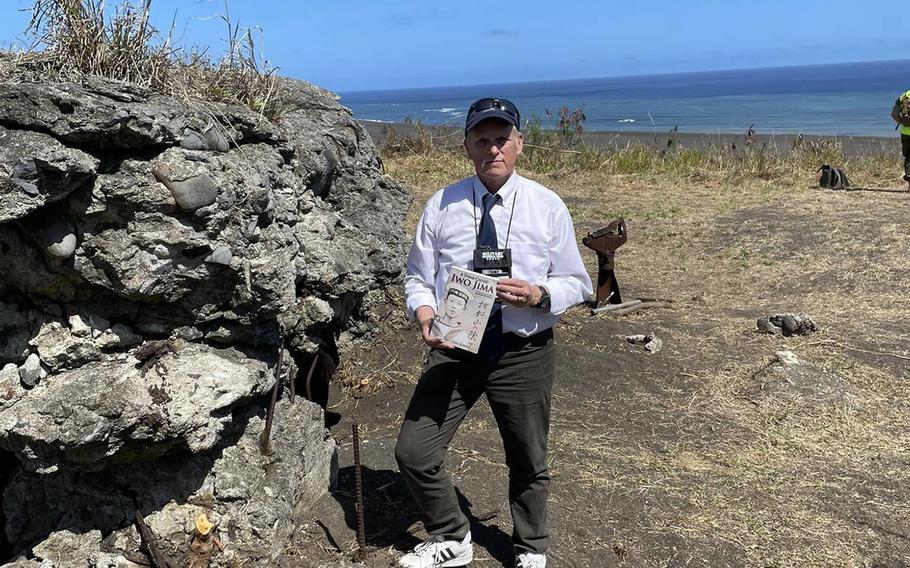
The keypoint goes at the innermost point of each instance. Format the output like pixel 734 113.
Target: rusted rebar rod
pixel 358 481
pixel 270 416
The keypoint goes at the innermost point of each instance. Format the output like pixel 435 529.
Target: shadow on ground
pixel 392 520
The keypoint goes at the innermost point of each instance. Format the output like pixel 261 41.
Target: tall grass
pixel 546 153
pixel 71 39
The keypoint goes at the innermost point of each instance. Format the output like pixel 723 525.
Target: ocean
pixel 844 99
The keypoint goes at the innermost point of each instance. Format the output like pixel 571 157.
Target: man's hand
pixel 425 315
pixel 517 292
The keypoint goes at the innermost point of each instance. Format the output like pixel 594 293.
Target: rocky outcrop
pixel 250 497
pixel 154 255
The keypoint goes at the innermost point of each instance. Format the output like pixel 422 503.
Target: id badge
pixel 493 262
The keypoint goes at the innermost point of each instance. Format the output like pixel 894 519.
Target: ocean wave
pixel 446 110
pixel 626 120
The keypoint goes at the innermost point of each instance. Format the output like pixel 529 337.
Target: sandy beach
pixel 852 145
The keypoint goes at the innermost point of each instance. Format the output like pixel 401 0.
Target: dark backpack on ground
pixel 833 178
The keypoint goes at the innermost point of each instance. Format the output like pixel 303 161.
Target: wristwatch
pixel 544 302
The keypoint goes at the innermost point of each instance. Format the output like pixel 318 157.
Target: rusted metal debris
pixel 604 242
pixel 358 481
pixel 270 416
pixel 632 306
pixel 322 368
pixel 308 384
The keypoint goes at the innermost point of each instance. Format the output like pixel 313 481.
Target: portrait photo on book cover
pixel 450 323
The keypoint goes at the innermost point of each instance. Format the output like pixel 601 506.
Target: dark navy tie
pixel 491 345
pixel 486 235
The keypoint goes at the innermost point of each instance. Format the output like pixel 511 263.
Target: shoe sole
pixel 455 562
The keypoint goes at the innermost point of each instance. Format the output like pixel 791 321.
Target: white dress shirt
pixel 542 239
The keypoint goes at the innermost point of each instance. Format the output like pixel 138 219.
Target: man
pixel 504 225
pixel 901 115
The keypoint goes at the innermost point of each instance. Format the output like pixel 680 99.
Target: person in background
pixel 500 224
pixel 901 115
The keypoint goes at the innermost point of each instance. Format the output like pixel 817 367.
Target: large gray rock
pixel 302 206
pixel 66 549
pixel 250 497
pixel 789 381
pixel 108 114
pixel 112 411
pixel 140 219
pixel 59 348
pixel 35 170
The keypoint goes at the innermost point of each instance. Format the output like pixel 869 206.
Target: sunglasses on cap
pixel 492 108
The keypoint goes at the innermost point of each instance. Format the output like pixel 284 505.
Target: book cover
pixel 465 308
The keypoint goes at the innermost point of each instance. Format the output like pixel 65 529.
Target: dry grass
pixel 730 238
pixel 76 38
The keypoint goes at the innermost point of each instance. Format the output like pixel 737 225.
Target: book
pixel 465 308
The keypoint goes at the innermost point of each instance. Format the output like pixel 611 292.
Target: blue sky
pixel 380 44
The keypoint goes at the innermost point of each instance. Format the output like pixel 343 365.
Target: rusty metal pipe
pixel 358 480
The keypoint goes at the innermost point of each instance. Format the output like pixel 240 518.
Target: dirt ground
pixel 671 459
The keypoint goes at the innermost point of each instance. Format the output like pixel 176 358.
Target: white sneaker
pixel 531 560
pixel 438 553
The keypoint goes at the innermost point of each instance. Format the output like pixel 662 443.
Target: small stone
pixel 32 372
pixel 118 336
pixel 193 140
pixel 252 229
pixel 787 358
pixel 215 140
pixel 27 187
pixel 221 255
pixel 207 211
pixel 25 170
pixel 188 333
pixel 788 325
pixel 57 237
pixel 654 344
pixel 99 325
pixel 765 326
pixel 196 156
pixel 79 327
pixel 161 251
pixel 63 248
pixel 637 338
pixel 195 192
pixel 793 324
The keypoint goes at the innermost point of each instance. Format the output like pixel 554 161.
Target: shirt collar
pixel 507 191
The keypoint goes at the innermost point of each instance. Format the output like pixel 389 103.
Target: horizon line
pixel 636 76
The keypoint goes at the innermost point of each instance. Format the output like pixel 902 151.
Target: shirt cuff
pixel 563 296
pixel 420 299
